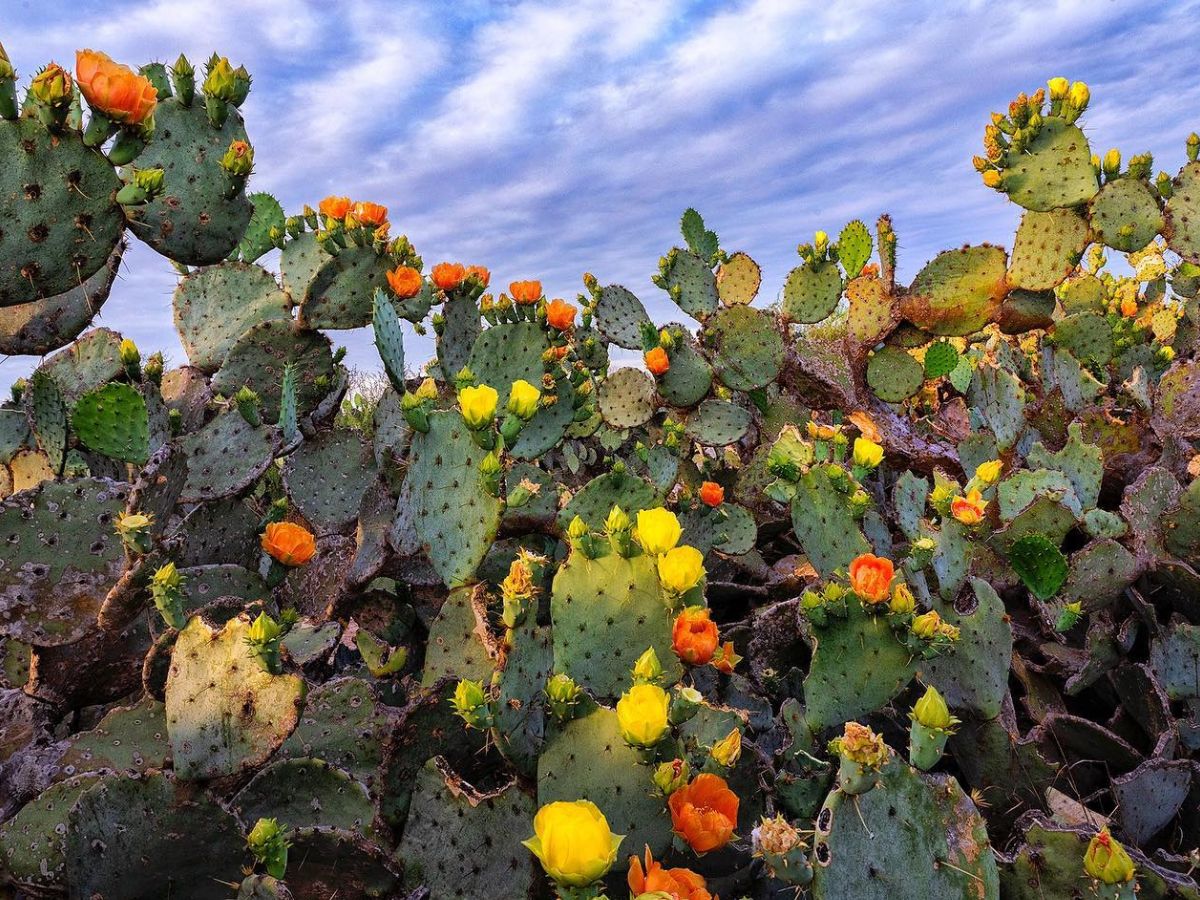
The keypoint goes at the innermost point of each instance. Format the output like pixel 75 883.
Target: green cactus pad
pixel 811 293
pixel 258 359
pixel 61 557
pixel 457 339
pixel 691 283
pixel 747 347
pixel 33 843
pixel 1100 573
pixel 1175 659
pixel 894 374
pixel 204 584
pixel 588 760
pixel 688 380
pixel 459 843
pixel 718 423
pixel 942 852
pixel 389 341
pixel 1046 248
pixel 548 426
pixel 342 291
pixel 854 247
pixel 1126 215
pixel 326 478
pixel 731 529
pixel 226 456
pixel 620 315
pixel 1181 528
pixel 1081 462
pixel 1183 214
pixel 1054 171
pixel 337 862
pixel 507 353
pixel 304 793
pixel 214 307
pixel 191 221
pixel 909 497
pixel 113 421
pixel 128 740
pixel 48 418
pixel 456 518
pixel 456 647
pixel 974 675
pixel 1022 488
pixel 824 523
pixel 1083 293
pixel 1087 336
pixel 870 313
pixel 225 712
pixel 345 725
pixel 606 612
pixel 1024 311
pixel 140 837
pixel 299 261
pixel 40 326
pixel 999 399
pixel 627 398
pixel 738 280
pixel 61 223
pixel 602 493
pixel 268 216
pixel 520 681
pixel 940 359
pixel 93 360
pixel 1039 564
pixel 959 291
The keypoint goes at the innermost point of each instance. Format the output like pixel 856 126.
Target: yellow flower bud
pixel 867 453
pixel 426 390
pixel 989 472
pixel 573 842
pixel 992 179
pixel 932 712
pixel 523 399
pixel 577 529
pixel 680 569
pixel 658 530
pixel 728 750
pixel 617 521
pixel 642 714
pixel 1079 95
pixel 902 603
pixel 1106 860
pixel 926 625
pixel 167 576
pixel 647 668
pixel 1058 88
pixel 478 405
pixel 264 630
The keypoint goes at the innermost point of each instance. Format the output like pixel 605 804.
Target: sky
pixel 545 140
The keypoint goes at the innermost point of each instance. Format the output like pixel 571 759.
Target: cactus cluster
pixel 872 591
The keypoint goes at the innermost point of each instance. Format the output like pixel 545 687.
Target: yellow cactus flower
pixel 1058 88
pixel 728 750
pixel 927 624
pixel 573 842
pixel 478 405
pixel 642 714
pixel 658 530
pixel 861 745
pixel 992 179
pixel 969 509
pixel 902 603
pixel 680 569
pixel 932 712
pixel 1106 860
pixel 1079 95
pixel 989 472
pixel 867 453
pixel 523 399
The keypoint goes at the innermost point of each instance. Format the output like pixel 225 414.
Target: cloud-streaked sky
pixel 548 139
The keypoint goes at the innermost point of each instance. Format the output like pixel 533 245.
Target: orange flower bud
pixel 335 207
pixel 405 282
pixel 289 543
pixel 371 214
pixel 704 813
pixel 871 577
pixel 448 276
pixel 480 274
pixel 560 314
pixel 712 494
pixel 680 883
pixel 113 90
pixel 657 361
pixel 525 291
pixel 694 636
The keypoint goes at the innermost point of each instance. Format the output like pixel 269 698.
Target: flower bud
pixel 134 531
pixel 932 712
pixel 53 86
pixel 1111 164
pixel 471 704
pixel 902 603
pixel 238 159
pixel 1106 860
pixel 727 751
pixel 263 636
pixel 671 776
pixel 562 695
pixel 685 704
pixel 989 472
pixel 647 669
pixel 269 843
pixel 523 399
pixel 1058 88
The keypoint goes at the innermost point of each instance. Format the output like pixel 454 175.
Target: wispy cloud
pixel 547 139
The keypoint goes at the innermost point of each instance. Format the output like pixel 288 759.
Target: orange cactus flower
pixel 712 494
pixel 560 314
pixel 969 509
pixel 289 543
pixel 525 291
pixel 871 577
pixel 113 90
pixel 657 361
pixel 694 636
pixel 405 281
pixel 448 276
pixel 678 883
pixel 704 812
pixel 371 214
pixel 726 660
pixel 1129 307
pixel 480 274
pixel 335 207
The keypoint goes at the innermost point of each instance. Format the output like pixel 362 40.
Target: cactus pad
pixel 975 675
pixel 811 292
pixel 688 380
pixel 691 283
pixel 226 456
pixel 738 280
pixel 825 524
pixel 627 398
pixel 1125 215
pixel 327 477
pixel 747 347
pixel 214 307
pixel 1183 214
pixel 113 421
pixel 602 493
pixel 894 374
pixel 959 291
pixel 1087 336
pixel 345 725
pixel 507 353
pixel 1046 249
pixel 258 359
pixel 342 291
pixel 718 423
pixel 304 793
pixel 620 315
pixel 128 740
pixel 268 216
pixel 1055 170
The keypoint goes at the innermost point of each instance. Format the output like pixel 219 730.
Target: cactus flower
pixel 405 281
pixel 712 494
pixel 704 813
pixel 525 292
pixel 335 207
pixel 871 577
pixel 725 660
pixel 657 361
pixel 861 745
pixel 448 276
pixel 867 453
pixel 289 543
pixel 930 626
pixel 658 530
pixel 238 159
pixel 932 712
pixel 1106 860
pixel 523 399
pixel 573 842
pixel 560 314
pixel 480 275
pixel 677 883
pixel 694 636
pixel 642 715
pixel 728 750
pixel 969 509
pixel 989 472
pixel 113 90
pixel 370 214
pixel 478 405
pixel 680 569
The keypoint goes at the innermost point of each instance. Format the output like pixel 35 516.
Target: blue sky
pixel 548 139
